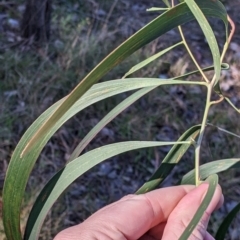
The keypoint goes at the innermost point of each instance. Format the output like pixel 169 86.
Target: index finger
pixel 132 216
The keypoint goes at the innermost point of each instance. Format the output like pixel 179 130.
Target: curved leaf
pixel 211 168
pixel 208 32
pixel 150 59
pixel 170 19
pixel 60 181
pixel 169 162
pixel 213 181
pixel 19 168
pixel 223 228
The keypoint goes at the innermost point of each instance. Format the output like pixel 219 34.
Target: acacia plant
pixel 88 92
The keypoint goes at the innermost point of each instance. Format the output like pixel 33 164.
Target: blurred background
pixel 47 47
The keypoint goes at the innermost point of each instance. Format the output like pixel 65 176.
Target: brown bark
pixel 36 20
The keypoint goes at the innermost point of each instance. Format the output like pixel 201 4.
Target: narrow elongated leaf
pixel 211 168
pixel 224 66
pixel 224 130
pixel 170 19
pixel 110 116
pixel 169 162
pixel 71 172
pixel 223 228
pixel 232 105
pixel 150 59
pixel 213 181
pixel 19 168
pixel 208 32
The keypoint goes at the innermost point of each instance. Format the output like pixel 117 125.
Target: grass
pixel 34 78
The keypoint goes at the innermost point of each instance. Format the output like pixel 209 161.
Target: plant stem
pixel 191 55
pixel 217 101
pixel 199 141
pixel 229 38
pixel 208 100
pixel 226 45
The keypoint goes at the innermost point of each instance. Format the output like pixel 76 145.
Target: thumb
pixel 185 210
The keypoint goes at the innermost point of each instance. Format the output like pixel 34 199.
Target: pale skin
pixel 160 214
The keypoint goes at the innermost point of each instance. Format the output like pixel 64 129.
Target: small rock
pixel 3 16
pixel 100 12
pixel 126 179
pixel 105 169
pixel 21 8
pixel 112 175
pixel 234 46
pixel 163 76
pixel 13 23
pixel 77 190
pixel 129 169
pixel 106 132
pixel 58 44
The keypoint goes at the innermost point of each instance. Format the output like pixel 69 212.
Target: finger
pixel 147 237
pixel 157 231
pixel 130 217
pixel 185 210
pixel 208 236
pixel 220 203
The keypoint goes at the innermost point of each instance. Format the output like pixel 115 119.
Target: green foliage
pixel 223 228
pixel 88 92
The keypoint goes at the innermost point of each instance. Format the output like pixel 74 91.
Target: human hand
pixel 160 214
